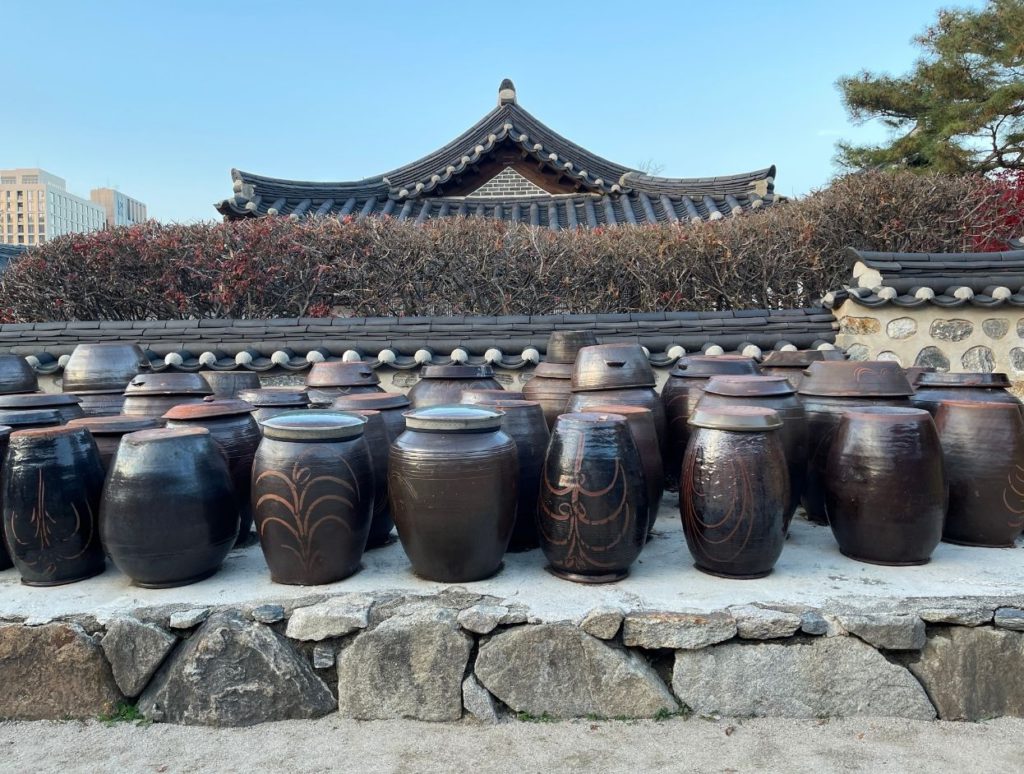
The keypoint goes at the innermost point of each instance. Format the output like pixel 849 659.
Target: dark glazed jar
pixel 593 504
pixel 793 363
pixel 375 432
pixel 444 384
pixel 100 403
pixel 563 346
pixel 885 489
pixel 29 419
pixel 52 479
pixel 453 478
pixel 102 367
pixel 523 423
pixel 391 405
pixel 269 402
pixel 828 389
pixel 227 384
pixel 776 393
pixel 312 495
pixel 473 397
pixel 5 557
pixel 232 426
pixel 108 431
pixel 612 367
pixel 933 388
pixel 643 397
pixel 67 406
pixel 640 421
pixel 983 446
pixel 329 379
pixel 153 395
pixel 550 386
pixel 16 375
pixel 679 396
pixel 734 491
pixel 168 515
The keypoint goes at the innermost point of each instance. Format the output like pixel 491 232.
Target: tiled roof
pixel 602 192
pixel 943 279
pixel 408 342
pixel 8 252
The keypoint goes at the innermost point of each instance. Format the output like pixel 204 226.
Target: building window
pixel 8 180
pixel 30 179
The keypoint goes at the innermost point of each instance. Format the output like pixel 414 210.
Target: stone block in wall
pixel 860 326
pixel 995 327
pixel 901 328
pixel 932 357
pixel 979 358
pixel 951 330
pixel 858 352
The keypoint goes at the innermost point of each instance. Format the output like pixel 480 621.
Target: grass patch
pixel 124 712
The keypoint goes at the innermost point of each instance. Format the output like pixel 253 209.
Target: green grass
pixel 124 712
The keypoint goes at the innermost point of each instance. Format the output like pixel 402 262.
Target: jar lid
pixel 38 400
pixel 275 396
pixel 738 418
pixel 453 418
pixel 371 400
pixel 168 384
pixel 618 408
pixel 856 378
pixel 157 434
pixel 703 366
pixel 29 417
pixel 887 413
pixel 46 432
pixel 554 370
pixel 612 366
pixel 800 358
pixel 588 417
pixel 338 373
pixel 563 346
pixel 115 425
pixel 457 372
pixel 749 386
pixel 210 408
pixel 936 379
pixel 314 425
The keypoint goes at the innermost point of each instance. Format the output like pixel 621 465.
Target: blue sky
pixel 162 99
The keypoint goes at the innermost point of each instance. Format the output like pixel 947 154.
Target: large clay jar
pixel 232 426
pixel 102 367
pixel 153 395
pixel 776 393
pixel 108 431
pixel 563 346
pixel 67 406
pixel 885 489
pixel 269 402
pixel 933 388
pixel 641 426
pixel 52 479
pixel 329 379
pixel 101 403
pixel 453 478
pixel 391 405
pixel 593 504
pixel 168 515
pixel 312 496
pixel 523 423
pixel 378 444
pixel 734 491
pixel 679 396
pixel 30 418
pixel 473 397
pixel 16 375
pixel 828 389
pixel 227 384
pixel 792 364
pixel 612 367
pixel 5 558
pixel 444 384
pixel 983 446
pixel 643 397
pixel 550 386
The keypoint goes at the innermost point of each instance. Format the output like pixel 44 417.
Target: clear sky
pixel 161 99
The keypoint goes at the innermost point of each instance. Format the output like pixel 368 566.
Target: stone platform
pixel 822 636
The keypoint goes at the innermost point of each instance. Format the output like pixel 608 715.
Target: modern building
pixel 510 166
pixel 35 206
pixel 122 210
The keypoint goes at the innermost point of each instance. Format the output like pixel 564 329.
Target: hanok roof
pixel 943 279
pixel 509 166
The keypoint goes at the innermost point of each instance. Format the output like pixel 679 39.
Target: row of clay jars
pixel 98 374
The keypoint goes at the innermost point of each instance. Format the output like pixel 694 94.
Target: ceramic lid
pixel 210 408
pixel 37 400
pixel 936 379
pixel 618 408
pixel 275 396
pixel 314 425
pixel 457 372
pixel 887 413
pixel 158 434
pixel 45 432
pixel 338 373
pixel 453 418
pixel 115 425
pixel 737 418
pixel 371 400
pixel 612 366
pixel 589 418
pixel 553 370
pixel 856 378
pixel 29 417
pixel 703 366
pixel 800 358
pixel 749 386
pixel 168 384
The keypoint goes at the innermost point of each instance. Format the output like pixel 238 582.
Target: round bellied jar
pixel 734 491
pixel 329 379
pixel 168 515
pixel 269 402
pixel 444 384
pixel 153 395
pixel 550 386
pixel 933 388
pixel 16 375
pixel 612 367
pixel 391 405
pixel 108 431
pixel 102 367
pixel 563 346
pixel 312 496
pixel 67 406
pixel 453 478
pixel 227 384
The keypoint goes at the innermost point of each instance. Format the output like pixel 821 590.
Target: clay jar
pixel 52 479
pixel 776 393
pixel 641 426
pixel 30 418
pixel 933 388
pixel 102 367
pixel 312 496
pixel 444 384
pixel 168 515
pixel 734 491
pixel 108 431
pixel 329 379
pixel 67 406
pixel 550 386
pixel 232 426
pixel 885 489
pixel 453 479
pixel 5 557
pixel 563 346
pixel 153 395
pixel 593 504
pixel 983 446
pixel 391 406
pixel 642 397
pixel 792 364
pixel 378 444
pixel 679 396
pixel 523 422
pixel 269 402
pixel 16 375
pixel 101 403
pixel 612 367
pixel 828 389
pixel 474 397
pixel 227 384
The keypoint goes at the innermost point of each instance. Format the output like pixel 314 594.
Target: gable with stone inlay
pixel 508 183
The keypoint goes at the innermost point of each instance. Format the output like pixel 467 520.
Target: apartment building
pixel 36 206
pixel 121 209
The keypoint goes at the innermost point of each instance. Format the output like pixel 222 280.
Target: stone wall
pixel 459 655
